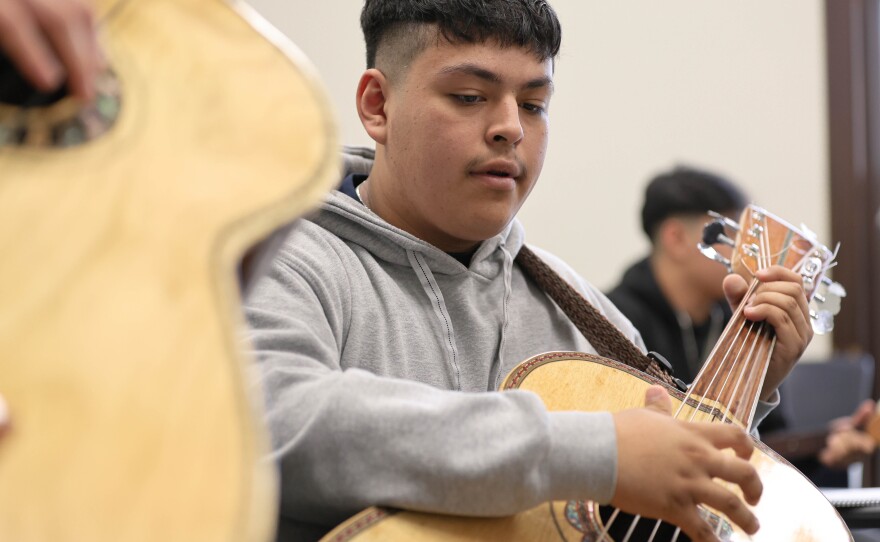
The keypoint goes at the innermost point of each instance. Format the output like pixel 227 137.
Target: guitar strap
pixel 605 337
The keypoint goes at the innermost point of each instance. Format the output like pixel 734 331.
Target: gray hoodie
pixel 379 357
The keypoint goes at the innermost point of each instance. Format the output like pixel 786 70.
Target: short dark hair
pixel 531 24
pixel 688 191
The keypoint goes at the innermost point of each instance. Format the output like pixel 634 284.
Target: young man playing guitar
pixel 390 317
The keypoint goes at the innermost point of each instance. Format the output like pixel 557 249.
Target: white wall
pixel 736 86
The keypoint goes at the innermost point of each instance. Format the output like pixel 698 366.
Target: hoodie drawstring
pixel 508 273
pixel 432 289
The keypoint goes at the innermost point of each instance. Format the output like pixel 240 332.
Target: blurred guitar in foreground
pixel 123 229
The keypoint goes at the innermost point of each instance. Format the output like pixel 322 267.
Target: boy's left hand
pixel 781 302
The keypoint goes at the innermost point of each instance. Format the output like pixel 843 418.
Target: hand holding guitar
pixel 51 41
pixel 781 302
pixel 670 481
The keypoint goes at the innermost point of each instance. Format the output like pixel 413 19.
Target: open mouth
pixel 499 173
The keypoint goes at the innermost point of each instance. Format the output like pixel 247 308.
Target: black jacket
pixel 686 346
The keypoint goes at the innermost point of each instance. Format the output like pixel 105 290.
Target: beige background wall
pixel 642 85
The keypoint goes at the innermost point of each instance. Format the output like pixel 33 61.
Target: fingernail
pixel 654 393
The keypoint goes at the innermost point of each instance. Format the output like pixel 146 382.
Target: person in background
pixel 674 297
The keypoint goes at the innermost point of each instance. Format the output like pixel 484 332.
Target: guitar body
pixel 120 322
pixel 791 508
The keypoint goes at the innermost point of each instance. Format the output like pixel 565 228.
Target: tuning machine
pixel 714 233
pixel 825 305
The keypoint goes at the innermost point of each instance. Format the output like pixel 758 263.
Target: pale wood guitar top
pixel 120 312
pixel 791 508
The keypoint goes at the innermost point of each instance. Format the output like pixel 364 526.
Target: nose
pixel 505 124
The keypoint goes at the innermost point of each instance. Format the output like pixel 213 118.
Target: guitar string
pixel 631 530
pixel 656 529
pixel 700 404
pixel 699 378
pixel 759 333
pixel 698 409
pixel 604 534
pixel 694 413
pixel 756 334
pixel 762 258
pixel 762 331
pixel 733 397
pixel 763 261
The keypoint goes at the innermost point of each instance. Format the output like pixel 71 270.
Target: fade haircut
pixel 396 31
pixel 688 191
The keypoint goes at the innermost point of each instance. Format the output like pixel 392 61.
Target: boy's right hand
pixel 51 41
pixel 666 467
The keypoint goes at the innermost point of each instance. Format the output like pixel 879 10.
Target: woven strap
pixel 608 341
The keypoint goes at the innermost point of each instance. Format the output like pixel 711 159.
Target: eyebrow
pixel 492 77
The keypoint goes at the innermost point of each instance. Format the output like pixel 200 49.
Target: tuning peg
pixel 830 303
pixel 834 288
pixel 812 266
pixel 831 296
pixel 822 321
pixel 713 232
pixel 725 220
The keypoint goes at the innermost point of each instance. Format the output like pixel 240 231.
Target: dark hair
pixel 531 24
pixel 688 191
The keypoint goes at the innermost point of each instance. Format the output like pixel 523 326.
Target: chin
pixel 485 230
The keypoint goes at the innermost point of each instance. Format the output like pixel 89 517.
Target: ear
pixel 674 238
pixel 372 97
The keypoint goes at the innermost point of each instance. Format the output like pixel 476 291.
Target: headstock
pixel 760 240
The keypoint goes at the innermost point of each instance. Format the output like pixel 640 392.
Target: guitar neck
pixel 733 375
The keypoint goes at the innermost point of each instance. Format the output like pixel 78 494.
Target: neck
pixel 385 198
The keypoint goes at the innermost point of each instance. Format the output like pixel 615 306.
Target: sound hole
pixel 608 524
pixel 644 528
pixel 14 90
pixel 29 118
